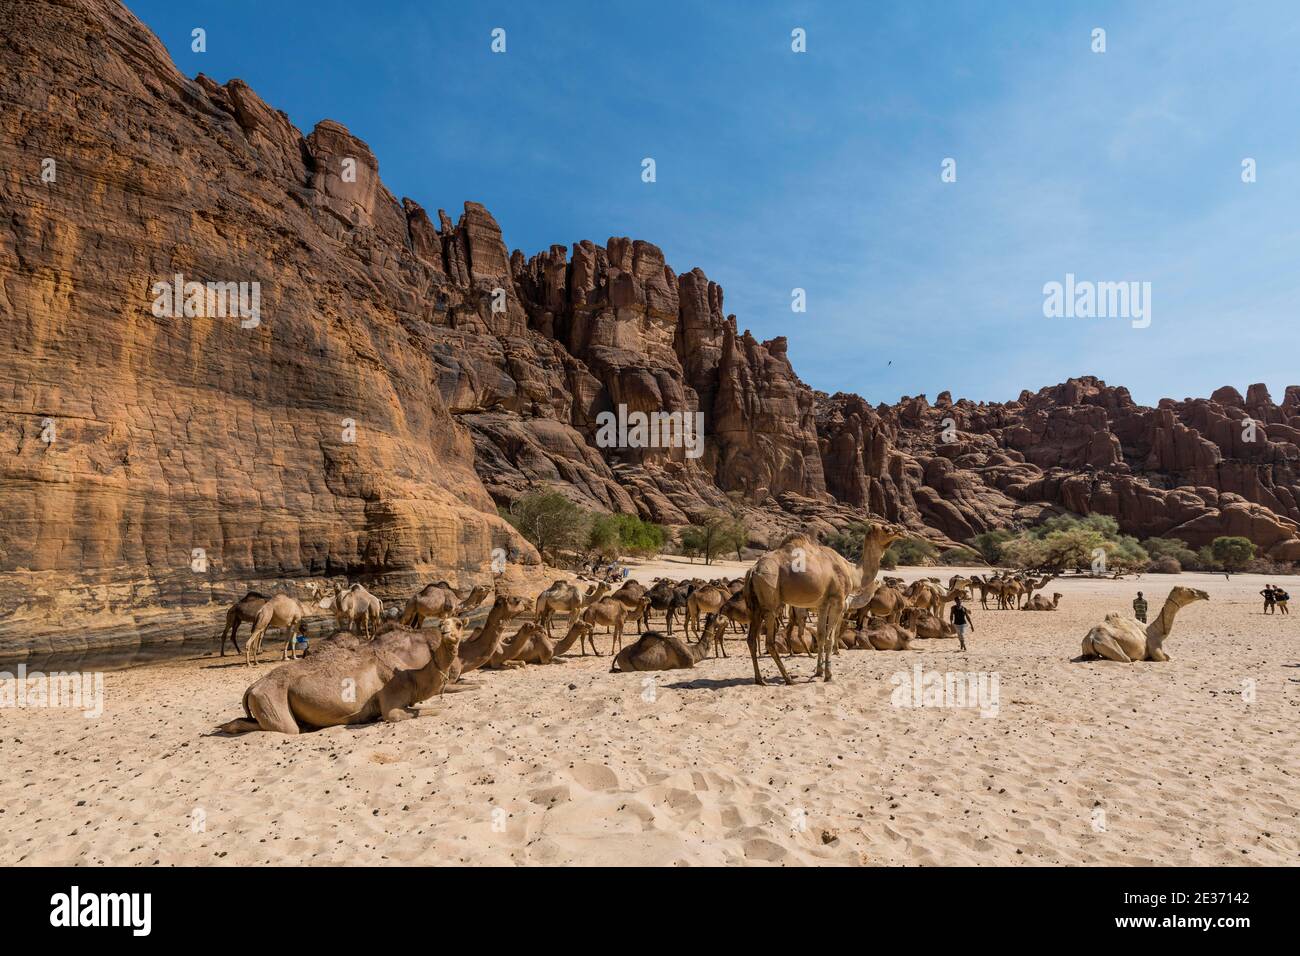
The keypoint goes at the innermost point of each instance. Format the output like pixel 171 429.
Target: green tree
pixel 715 535
pixel 989 544
pixel 549 521
pixel 912 551
pixel 1232 552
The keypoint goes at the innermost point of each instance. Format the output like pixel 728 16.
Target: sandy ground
pixel 1189 762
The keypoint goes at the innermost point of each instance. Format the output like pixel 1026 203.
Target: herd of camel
pixel 799 598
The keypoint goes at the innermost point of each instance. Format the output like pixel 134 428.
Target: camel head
pixel 454 628
pixel 1181 596
pixel 881 535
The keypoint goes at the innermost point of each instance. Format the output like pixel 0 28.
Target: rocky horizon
pixel 405 376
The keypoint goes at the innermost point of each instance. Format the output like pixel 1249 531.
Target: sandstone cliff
pixel 405 373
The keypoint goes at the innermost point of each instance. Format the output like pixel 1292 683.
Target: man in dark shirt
pixel 1270 597
pixel 960 618
pixel 1140 608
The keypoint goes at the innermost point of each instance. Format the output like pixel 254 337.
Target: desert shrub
pixel 1174 548
pixel 1165 565
pixel 960 556
pixel 989 544
pixel 912 551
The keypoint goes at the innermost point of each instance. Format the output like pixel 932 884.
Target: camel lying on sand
pixel 354 608
pixel 530 645
pixel 482 645
pixel 885 636
pixel 1040 603
pixel 280 611
pixel 1124 639
pixel 349 682
pixel 656 651
pixel 926 625
pixel 243 611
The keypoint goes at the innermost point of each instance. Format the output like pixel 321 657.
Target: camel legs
pixel 755 622
pixel 232 628
pixel 1104 645
pixel 769 639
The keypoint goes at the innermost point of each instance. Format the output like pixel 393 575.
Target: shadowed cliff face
pixel 401 376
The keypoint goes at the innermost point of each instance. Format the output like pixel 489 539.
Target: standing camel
pixel 802 573
pixel 279 611
pixel 563 596
pixel 354 608
pixel 243 611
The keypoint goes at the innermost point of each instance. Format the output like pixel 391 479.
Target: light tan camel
pixel 243 611
pixel 351 682
pixel 280 611
pixel 563 596
pixel 440 600
pixel 802 573
pixel 887 603
pixel 530 645
pixel 607 613
pixel 1039 603
pixel 354 608
pixel 632 595
pixel 479 648
pixel 704 601
pixel 1124 639
pixel 656 651
pixel 1031 585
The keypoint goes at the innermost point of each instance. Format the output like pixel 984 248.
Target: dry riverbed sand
pixel 1190 762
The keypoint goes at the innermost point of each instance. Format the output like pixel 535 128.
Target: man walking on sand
pixel 1140 608
pixel 1270 597
pixel 960 618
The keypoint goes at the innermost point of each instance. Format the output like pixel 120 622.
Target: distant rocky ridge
pixel 469 375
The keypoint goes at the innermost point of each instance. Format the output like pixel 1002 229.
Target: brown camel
pixel 926 625
pixel 563 596
pixel 479 648
pixel 440 600
pixel 632 595
pixel 802 573
pixel 705 601
pixel 243 611
pixel 530 645
pixel 607 613
pixel 655 651
pixel 1122 638
pixel 1040 603
pixel 351 682
pixel 280 611
pixel 1031 586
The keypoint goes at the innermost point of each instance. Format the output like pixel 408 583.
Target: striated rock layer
pixel 404 375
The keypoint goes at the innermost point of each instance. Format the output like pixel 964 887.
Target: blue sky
pixel 821 170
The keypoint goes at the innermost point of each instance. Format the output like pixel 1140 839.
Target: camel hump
pixel 253 594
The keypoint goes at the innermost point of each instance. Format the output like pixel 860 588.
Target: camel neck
pixel 1159 628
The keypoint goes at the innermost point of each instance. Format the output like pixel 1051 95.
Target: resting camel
pixel 440 600
pixel 802 573
pixel 479 648
pixel 654 651
pixel 885 636
pixel 1040 603
pixel 530 645
pixel 351 682
pixel 1124 639
pixel 243 611
pixel 355 608
pixel 608 613
pixel 887 603
pixel 926 625
pixel 280 611
pixel 563 596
